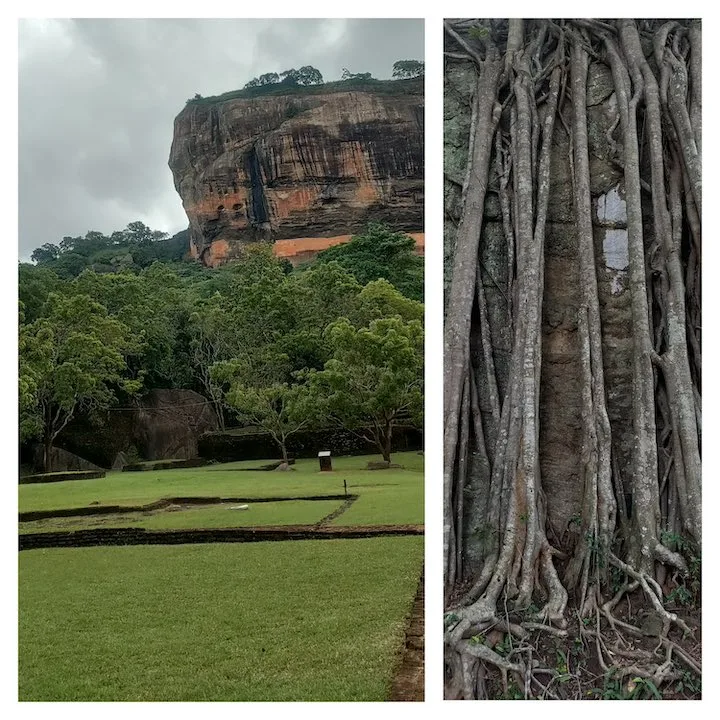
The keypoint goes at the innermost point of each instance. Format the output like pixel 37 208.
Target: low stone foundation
pixel 139 536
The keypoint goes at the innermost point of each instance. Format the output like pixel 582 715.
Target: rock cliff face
pixel 299 165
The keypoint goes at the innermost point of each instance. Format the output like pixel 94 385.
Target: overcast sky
pixel 97 99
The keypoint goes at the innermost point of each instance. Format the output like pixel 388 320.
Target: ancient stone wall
pixel 228 446
pixel 140 536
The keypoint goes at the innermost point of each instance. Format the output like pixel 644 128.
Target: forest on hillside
pixel 339 341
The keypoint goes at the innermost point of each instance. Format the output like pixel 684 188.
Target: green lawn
pixel 299 620
pixel 224 480
pixel 290 512
pixel 385 497
pixel 303 620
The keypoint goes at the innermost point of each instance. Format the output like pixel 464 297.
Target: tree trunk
pixel 384 441
pixel 572 345
pixel 219 414
pixel 47 451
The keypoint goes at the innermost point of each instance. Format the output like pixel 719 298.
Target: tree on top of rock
pixel 347 75
pixel 268 78
pixel 308 75
pixel 404 69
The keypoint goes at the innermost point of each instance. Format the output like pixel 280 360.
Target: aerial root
pixel 482 641
pixel 644 663
pixel 476 658
pixel 654 593
pixel 540 627
pixel 672 647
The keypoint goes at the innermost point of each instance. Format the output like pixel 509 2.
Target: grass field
pixel 398 492
pixel 289 512
pixel 294 620
pixel 305 620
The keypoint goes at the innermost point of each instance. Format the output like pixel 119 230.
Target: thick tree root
pixel 636 514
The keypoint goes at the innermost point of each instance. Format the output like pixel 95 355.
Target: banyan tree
pixel 572 485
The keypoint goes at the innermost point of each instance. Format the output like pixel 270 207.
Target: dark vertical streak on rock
pixel 258 204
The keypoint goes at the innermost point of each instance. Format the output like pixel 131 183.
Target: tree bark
pixel 47 452
pixel 493 485
pixel 457 324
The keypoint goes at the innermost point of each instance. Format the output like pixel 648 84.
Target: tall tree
pixel 71 360
pixel 404 69
pixel 280 409
pixel 347 75
pixel 308 75
pixel 156 307
pixel 46 253
pixel 269 78
pixel 289 77
pixel 35 283
pixel 374 380
pixel 379 299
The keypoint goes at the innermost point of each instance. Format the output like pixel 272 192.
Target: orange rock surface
pixel 296 250
pixel 300 250
pixel 302 170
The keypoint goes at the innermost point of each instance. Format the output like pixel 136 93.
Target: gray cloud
pixel 97 99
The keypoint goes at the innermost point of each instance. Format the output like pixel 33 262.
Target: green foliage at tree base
pixel 379 252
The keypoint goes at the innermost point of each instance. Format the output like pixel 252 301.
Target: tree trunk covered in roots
pixel 572 339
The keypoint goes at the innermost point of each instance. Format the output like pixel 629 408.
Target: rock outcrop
pixel 61 461
pixel 315 163
pixel 165 425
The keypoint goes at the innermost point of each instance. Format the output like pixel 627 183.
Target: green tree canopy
pixel 260 400
pixel 136 247
pixel 279 409
pixel 35 283
pixel 269 78
pixel 381 253
pixel 308 75
pixel 379 299
pixel 265 319
pixel 155 306
pixel 374 379
pixel 72 359
pixel 46 253
pixel 403 69
pixel 347 75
